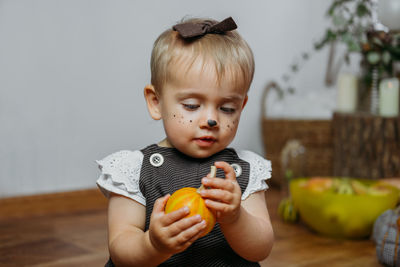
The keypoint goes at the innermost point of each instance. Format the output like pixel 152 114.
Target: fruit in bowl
pixel 342 207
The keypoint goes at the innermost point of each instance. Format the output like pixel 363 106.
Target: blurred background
pixel 72 75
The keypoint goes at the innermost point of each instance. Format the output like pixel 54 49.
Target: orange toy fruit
pixel 189 197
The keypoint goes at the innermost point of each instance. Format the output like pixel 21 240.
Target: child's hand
pixel 172 233
pixel 224 195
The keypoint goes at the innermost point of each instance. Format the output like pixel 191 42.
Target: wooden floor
pixel 77 237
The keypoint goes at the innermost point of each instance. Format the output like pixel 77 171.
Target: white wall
pixel 72 74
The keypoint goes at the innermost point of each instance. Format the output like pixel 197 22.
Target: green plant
pixel 379 50
pixel 350 21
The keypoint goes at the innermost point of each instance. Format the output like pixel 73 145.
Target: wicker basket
pixel 315 135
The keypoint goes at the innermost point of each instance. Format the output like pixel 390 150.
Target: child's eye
pixel 191 106
pixel 228 110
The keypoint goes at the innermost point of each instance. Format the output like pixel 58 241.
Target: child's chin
pixel 199 152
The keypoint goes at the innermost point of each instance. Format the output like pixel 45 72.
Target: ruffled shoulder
pixel 120 173
pixel 260 171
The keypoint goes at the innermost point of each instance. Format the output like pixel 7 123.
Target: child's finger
pixel 199 233
pixel 219 183
pixel 189 235
pixel 183 224
pixel 228 170
pixel 160 203
pixel 217 194
pixel 176 215
pixel 217 206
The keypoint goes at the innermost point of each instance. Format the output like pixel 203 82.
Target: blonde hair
pixel 228 51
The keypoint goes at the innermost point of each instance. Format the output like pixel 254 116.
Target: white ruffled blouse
pixel 120 174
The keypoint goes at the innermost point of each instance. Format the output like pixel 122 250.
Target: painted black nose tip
pixel 211 123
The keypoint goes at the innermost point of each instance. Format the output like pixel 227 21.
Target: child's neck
pixel 165 143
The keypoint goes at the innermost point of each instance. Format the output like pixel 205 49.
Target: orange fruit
pixel 188 196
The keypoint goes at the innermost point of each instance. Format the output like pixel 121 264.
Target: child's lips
pixel 205 141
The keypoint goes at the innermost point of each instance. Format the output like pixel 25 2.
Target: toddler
pixel 201 71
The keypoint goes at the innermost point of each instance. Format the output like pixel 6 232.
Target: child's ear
pixel 245 101
pixel 152 101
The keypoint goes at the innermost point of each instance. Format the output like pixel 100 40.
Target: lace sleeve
pixel 260 171
pixel 120 174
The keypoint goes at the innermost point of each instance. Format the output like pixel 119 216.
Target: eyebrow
pixel 233 97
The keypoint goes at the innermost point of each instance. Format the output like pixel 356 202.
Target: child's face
pixel 191 101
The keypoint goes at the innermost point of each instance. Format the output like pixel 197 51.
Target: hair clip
pixel 190 29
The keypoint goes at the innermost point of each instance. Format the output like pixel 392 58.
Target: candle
pixel 389 97
pixel 347 92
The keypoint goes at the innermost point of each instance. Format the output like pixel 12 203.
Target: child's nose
pixel 209 123
pixel 209 120
pixel 212 123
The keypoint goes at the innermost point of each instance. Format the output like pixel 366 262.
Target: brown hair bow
pixel 190 29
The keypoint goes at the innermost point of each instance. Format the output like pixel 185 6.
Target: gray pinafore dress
pixel 163 171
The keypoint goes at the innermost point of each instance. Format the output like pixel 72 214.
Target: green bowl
pixel 341 215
